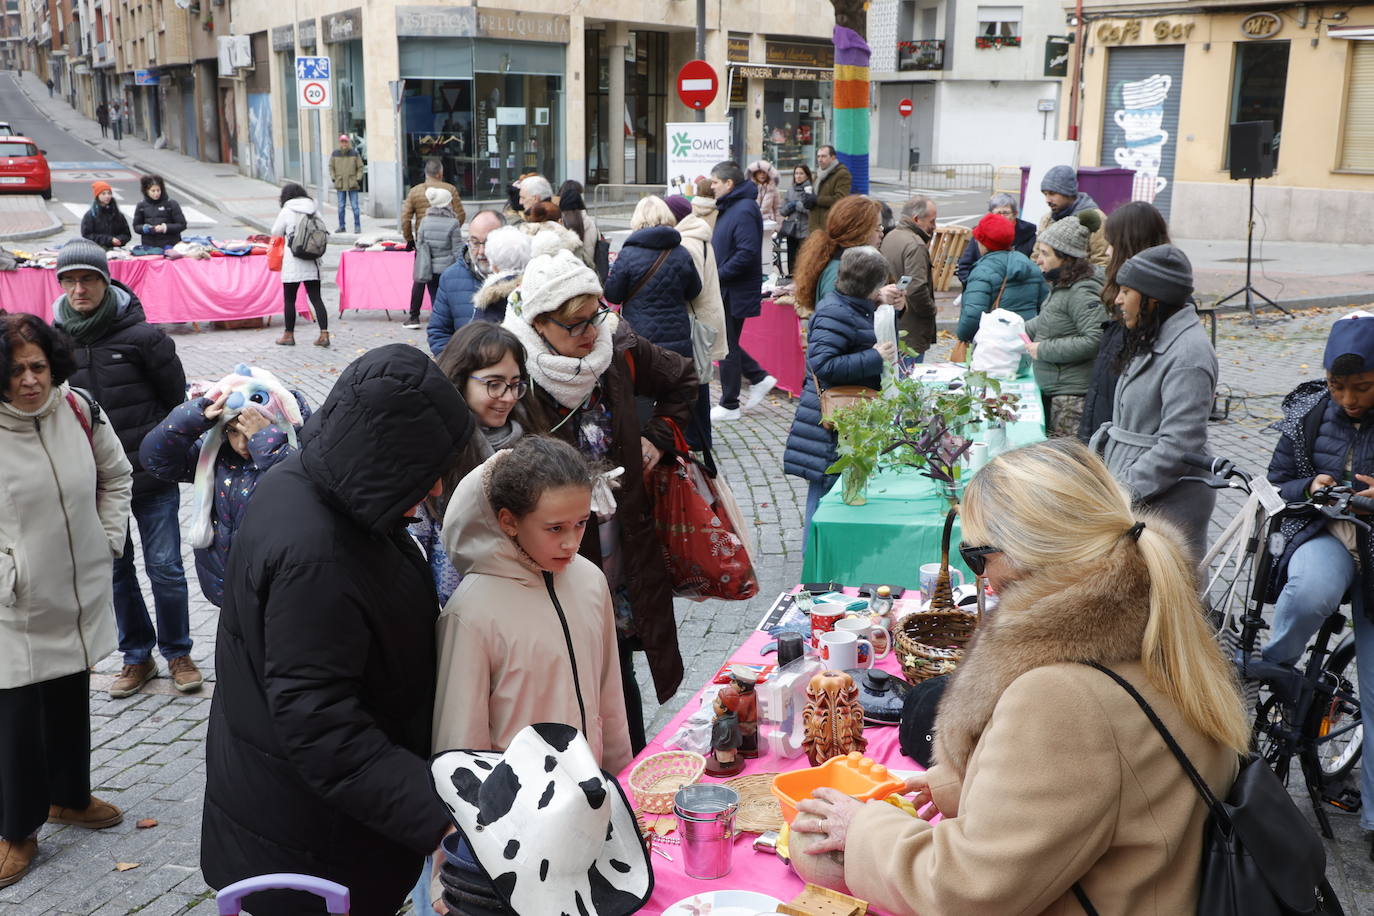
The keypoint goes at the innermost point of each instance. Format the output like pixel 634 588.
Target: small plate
pixel 724 903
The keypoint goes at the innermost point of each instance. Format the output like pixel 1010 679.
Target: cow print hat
pixel 552 830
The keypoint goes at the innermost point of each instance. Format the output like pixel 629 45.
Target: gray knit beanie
pixel 1070 235
pixel 1163 273
pixel 83 254
pixel 1062 179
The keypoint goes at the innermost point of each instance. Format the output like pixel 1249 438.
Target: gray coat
pixel 438 243
pixel 1160 411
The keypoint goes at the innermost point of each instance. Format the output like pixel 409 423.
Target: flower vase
pixel 952 491
pixel 996 438
pixel 854 486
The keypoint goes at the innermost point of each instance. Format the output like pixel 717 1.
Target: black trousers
pixel 417 295
pixel 45 751
pixel 634 704
pixel 793 249
pixel 312 289
pixel 738 363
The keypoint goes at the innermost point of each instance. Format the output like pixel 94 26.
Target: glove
pixel 145 228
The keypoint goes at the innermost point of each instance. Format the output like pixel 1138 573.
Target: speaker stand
pixel 1249 288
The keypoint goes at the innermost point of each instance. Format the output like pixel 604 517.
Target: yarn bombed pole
pixel 851 105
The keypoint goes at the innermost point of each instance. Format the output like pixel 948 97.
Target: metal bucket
pixel 706 824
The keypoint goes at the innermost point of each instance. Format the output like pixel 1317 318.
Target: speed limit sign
pixel 315 94
pixel 313 82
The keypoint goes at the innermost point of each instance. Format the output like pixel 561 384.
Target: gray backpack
pixel 310 239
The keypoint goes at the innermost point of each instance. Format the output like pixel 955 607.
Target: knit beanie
pixel 680 206
pixel 507 248
pixel 994 232
pixel 438 197
pixel 1070 235
pixel 1162 272
pixel 98 187
pixel 83 254
pixel 551 279
pixel 1062 179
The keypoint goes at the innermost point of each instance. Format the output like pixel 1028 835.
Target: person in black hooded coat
pixel 316 760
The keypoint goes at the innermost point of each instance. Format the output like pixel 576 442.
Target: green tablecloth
pixel 886 541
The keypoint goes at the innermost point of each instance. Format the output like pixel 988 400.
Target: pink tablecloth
pixel 376 280
pixel 184 289
pixel 774 339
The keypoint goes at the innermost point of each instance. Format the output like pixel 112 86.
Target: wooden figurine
pixel 743 679
pixel 725 759
pixel 833 717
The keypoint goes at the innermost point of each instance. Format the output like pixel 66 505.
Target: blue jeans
pixel 1320 572
pixel 419 894
pixel 346 197
pixel 159 531
pixel 815 489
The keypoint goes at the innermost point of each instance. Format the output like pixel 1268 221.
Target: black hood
pixel 390 427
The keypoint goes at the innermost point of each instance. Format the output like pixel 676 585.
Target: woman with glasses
pixel 588 368
pixel 1055 788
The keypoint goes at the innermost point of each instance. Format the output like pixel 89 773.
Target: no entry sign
pixel 904 108
pixel 697 84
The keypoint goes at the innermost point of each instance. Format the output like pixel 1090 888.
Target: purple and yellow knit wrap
pixel 851 105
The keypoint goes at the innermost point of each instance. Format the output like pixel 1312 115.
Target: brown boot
pixel 131 678
pixel 96 816
pixel 185 675
pixel 323 339
pixel 15 858
pixel 287 339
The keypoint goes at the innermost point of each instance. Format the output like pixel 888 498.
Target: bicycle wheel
pixel 1337 756
pixel 1272 720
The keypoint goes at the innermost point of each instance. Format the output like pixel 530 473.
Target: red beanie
pixel 995 232
pixel 98 186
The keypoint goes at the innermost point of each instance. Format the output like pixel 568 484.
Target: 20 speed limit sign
pixel 315 94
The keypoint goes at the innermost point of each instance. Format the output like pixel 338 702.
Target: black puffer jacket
pixel 155 213
pixel 316 760
pixel 135 375
pixel 658 309
pixel 103 225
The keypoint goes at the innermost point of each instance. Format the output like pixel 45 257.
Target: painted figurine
pixel 725 758
pixel 743 680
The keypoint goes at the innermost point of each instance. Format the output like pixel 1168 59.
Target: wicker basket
pixel 931 643
pixel 655 780
pixel 759 810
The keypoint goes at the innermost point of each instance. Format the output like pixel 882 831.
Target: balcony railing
pixel 927 54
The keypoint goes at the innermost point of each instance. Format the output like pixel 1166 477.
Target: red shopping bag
pixel 274 253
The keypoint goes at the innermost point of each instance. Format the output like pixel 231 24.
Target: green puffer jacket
pixel 1068 330
pixel 346 170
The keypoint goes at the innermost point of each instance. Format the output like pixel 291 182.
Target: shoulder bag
pixel 658 262
pixel 838 397
pixel 959 353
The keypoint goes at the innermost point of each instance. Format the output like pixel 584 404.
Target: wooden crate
pixel 946 248
pixel 238 324
pixel 821 901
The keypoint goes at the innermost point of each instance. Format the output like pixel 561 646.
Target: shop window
pixel 1357 139
pixel 1259 85
pixel 999 26
pixel 794 122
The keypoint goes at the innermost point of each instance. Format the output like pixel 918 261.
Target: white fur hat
pixel 438 197
pixel 507 248
pixel 552 279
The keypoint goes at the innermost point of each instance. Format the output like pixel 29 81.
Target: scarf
pixel 503 436
pixel 88 328
pixel 567 379
pixel 823 174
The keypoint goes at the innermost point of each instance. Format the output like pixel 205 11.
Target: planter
pixel 854 487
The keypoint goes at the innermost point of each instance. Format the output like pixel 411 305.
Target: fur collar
pixel 496 288
pixel 1095 612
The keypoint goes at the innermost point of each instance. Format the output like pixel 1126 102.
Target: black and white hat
pixel 552 830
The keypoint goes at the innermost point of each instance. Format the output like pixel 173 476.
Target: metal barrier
pixel 963 176
pixel 617 201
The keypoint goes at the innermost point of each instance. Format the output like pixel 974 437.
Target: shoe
pixel 357 230
pixel 758 392
pixel 96 816
pixel 719 413
pixel 185 675
pixel 15 859
pixel 287 339
pixel 323 339
pixel 340 229
pixel 411 324
pixel 131 678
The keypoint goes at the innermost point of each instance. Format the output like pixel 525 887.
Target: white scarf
pixel 568 379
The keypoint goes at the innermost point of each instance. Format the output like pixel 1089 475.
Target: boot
pixel 96 816
pixel 323 339
pixel 287 339
pixel 15 858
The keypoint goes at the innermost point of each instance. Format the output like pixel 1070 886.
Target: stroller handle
pixel 230 899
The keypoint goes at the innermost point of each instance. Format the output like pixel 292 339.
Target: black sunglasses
pixel 976 558
pixel 577 328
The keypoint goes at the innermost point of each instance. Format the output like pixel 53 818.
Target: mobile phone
pixel 820 588
pixel 904 282
pixel 869 589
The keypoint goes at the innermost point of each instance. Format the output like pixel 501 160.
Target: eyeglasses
pixel 497 387
pixel 976 558
pixel 578 328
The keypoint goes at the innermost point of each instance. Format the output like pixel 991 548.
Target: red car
pixel 24 167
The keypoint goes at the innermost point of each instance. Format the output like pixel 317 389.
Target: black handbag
pixel 1259 856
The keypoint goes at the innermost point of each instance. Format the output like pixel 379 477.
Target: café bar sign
pixel 1123 32
pixel 471 22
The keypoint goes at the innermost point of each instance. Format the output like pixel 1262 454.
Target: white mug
pixel 840 650
pixel 930 574
pixel 865 628
pixel 824 616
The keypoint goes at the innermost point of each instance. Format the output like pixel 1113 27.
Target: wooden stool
pixel 946 248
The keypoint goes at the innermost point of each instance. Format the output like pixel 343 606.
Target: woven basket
pixel 931 643
pixel 655 780
pixel 759 810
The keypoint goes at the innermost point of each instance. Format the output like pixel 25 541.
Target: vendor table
pixel 774 340
pixel 886 540
pixel 171 290
pixel 376 280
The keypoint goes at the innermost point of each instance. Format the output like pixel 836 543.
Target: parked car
pixel 24 167
pixel 5 129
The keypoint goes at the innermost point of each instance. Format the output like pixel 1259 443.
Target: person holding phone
pixel 907 249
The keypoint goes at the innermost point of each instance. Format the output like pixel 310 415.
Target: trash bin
pixel 913 159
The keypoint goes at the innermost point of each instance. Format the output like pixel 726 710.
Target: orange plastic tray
pixel 853 774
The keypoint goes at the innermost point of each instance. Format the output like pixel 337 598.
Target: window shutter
pixel 1357 148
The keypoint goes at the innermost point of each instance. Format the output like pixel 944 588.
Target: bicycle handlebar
pixel 1362 504
pixel 1204 462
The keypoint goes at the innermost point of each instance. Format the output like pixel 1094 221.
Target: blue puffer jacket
pixel 738 244
pixel 1025 290
pixel 170 452
pixel 658 310
pixel 452 304
pixel 839 351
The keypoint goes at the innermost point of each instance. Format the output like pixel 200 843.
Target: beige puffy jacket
pixel 707 307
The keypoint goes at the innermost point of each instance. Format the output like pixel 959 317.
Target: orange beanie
pixel 98 186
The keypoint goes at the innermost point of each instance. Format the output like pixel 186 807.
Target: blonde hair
pixel 1056 504
pixel 652 211
pixel 568 309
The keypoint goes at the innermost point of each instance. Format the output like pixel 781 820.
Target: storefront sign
pixel 436 22
pixel 345 26
pixel 522 26
pixel 796 54
pixel 284 38
pixel 737 49
pixel 1057 55
pixel 693 148
pixel 145 78
pixel 765 72
pixel 305 30
pixel 1261 25
pixel 1111 33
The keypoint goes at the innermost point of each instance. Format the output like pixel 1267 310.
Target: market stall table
pixel 376 280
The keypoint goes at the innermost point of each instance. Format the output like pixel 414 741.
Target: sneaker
pixel 411 324
pixel 15 859
pixel 96 816
pixel 719 413
pixel 758 392
pixel 131 678
pixel 185 675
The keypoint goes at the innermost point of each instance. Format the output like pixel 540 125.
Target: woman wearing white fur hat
pixel 588 368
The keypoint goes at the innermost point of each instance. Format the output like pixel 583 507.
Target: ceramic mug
pixel 840 649
pixel 865 628
pixel 824 616
pixel 930 573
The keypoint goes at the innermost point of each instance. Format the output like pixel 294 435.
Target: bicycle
pixel 1309 710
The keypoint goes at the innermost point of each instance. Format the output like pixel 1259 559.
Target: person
pixel 841 349
pixel 574 216
pixel 508 251
pixel 653 278
pixel 1064 336
pixel 412 212
pixel 131 368
pixel 1060 187
pixel 102 116
pixel 766 195
pixel 853 223
pixel 543 216
pixel 104 222
pixel 50 87
pixel 296 272
pixel 1131 228
pixel 1324 440
pixel 157 217
pixel 252 445
pixel 1002 204
pixel 438 245
pixel 1002 277
pixel 588 369
pixel 1048 775
pixel 453 304
pixel 318 748
pixel 533 189
pixel 69 507
pixel 907 249
pixel 706 308
pixel 1162 402
pixel 346 171
pixel 833 182
pixel 738 243
pixel 795 212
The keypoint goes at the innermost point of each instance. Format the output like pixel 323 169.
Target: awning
pixel 1356 32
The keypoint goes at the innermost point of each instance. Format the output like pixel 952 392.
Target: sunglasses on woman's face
pixel 976 558
pixel 577 328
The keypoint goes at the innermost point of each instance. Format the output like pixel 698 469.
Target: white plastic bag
pixel 885 324
pixel 997 347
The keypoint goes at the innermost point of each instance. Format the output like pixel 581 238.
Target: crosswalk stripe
pixel 193 216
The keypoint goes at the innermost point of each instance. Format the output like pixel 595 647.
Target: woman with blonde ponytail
pixel 1047 773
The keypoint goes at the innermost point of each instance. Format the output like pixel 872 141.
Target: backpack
pixel 310 239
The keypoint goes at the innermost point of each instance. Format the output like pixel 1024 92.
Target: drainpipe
pixel 1074 88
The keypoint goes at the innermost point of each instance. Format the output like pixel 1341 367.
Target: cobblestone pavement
pixel 148 750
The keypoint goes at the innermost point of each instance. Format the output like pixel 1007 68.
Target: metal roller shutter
pixel 1357 145
pixel 1140 123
